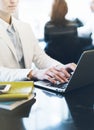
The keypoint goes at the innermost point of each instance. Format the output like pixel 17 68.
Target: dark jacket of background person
pixel 60 35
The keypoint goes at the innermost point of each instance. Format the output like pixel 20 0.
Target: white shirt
pixel 14 36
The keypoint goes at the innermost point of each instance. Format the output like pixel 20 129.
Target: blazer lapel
pixel 24 40
pixel 8 41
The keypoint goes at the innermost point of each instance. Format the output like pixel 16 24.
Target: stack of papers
pixel 10 105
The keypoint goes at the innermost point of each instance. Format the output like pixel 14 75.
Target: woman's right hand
pixel 53 74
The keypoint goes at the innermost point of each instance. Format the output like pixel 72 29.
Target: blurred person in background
pixel 60 35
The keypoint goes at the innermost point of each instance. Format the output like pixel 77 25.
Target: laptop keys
pixel 49 84
pixel 60 85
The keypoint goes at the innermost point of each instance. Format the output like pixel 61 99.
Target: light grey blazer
pixel 31 50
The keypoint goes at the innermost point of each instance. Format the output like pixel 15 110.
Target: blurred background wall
pixel 36 12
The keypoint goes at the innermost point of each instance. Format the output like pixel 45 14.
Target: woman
pixel 19 49
pixel 60 34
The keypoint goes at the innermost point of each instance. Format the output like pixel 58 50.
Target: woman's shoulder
pixel 20 22
pixel 69 23
pixel 49 24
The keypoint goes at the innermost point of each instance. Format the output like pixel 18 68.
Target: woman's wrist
pixel 29 75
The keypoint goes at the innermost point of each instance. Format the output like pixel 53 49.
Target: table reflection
pixel 81 106
pixel 50 112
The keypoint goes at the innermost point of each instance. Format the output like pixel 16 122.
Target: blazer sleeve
pixel 7 74
pixel 41 59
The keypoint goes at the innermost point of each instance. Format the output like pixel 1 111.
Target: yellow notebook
pixel 18 90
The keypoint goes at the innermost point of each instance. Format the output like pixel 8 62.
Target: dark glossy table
pixel 73 111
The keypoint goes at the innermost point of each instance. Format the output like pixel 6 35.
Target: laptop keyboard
pixel 49 84
pixel 59 85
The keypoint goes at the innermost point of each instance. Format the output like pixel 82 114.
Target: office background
pixel 36 12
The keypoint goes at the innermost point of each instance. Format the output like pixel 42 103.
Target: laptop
pixel 81 77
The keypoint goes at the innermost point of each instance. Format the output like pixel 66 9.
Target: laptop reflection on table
pixel 82 76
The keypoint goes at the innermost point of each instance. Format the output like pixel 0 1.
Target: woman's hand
pixel 54 74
